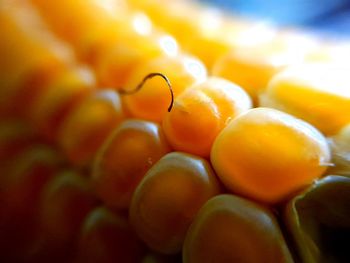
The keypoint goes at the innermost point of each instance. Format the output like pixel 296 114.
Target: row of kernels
pixel 256 53
pixel 113 41
pixel 30 56
pixel 58 101
pixel 76 147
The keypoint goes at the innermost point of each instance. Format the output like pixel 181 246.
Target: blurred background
pixel 325 16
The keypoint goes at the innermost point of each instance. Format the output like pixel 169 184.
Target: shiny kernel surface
pixel 168 198
pixel 201 112
pixel 152 101
pixel 267 155
pixel 89 124
pixel 132 149
pixel 232 229
pixel 318 93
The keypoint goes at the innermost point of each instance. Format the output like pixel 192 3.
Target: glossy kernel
pixel 89 124
pixel 167 199
pixel 201 112
pixel 267 155
pixel 317 93
pixel 152 101
pixel 232 229
pixel 254 60
pixel 126 156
